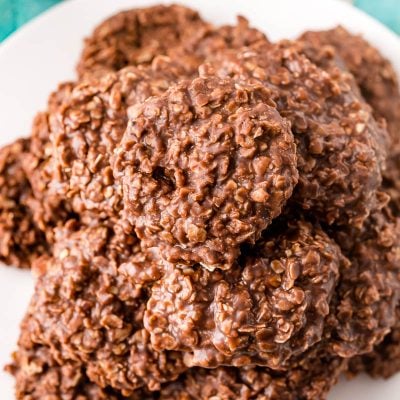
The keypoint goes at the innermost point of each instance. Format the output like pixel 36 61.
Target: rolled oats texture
pixel 374 74
pixel 331 123
pixel 368 291
pixel 135 37
pixel 267 309
pixel 384 360
pixel 38 374
pixel 85 311
pixel 310 380
pixel 204 168
pixel 379 85
pixel 21 240
pixel 295 284
pixel 89 125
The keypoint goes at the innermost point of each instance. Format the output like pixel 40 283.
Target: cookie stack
pixel 209 215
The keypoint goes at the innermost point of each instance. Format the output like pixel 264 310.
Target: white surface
pixel 43 53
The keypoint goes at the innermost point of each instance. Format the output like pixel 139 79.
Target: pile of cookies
pixel 208 214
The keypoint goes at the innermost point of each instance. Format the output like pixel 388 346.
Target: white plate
pixel 44 52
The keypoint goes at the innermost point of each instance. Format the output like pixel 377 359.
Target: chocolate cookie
pixel 384 360
pixel 79 136
pixel 369 289
pixel 339 144
pixel 84 310
pixel 136 37
pixel 21 240
pixel 310 380
pixel 269 307
pixel 374 74
pixel 204 168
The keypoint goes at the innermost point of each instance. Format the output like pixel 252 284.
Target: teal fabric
pixel 387 11
pixel 14 13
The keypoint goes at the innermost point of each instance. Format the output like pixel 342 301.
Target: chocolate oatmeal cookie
pixel 48 209
pixel 310 380
pixel 269 307
pixel 339 144
pixel 373 72
pixel 209 40
pixel 369 289
pixel 379 85
pixel 384 361
pixel 136 37
pixel 84 310
pixel 204 168
pixel 21 240
pixel 79 137
pixel 39 376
